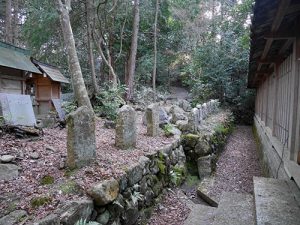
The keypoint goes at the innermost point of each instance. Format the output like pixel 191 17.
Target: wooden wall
pixel 278 103
pixel 11 81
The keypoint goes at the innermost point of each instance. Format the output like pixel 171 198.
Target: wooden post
pixel 294 118
pixel 267 81
pixel 295 151
pixel 275 95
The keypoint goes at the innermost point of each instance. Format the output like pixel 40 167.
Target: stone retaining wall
pixel 132 197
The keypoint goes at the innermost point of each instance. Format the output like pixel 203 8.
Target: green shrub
pixel 108 101
pixel 69 106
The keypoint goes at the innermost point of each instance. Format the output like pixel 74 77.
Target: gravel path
pixel 238 163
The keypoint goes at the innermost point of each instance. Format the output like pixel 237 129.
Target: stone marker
pixel 126 128
pixel 81 141
pixel 204 166
pixel 200 115
pixel 204 110
pixel 194 119
pixel 152 117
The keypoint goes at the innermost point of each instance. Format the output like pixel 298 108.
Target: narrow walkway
pixel 237 164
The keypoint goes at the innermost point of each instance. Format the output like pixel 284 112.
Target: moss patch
pixel 36 202
pixel 190 139
pixel 192 180
pixel 46 180
pixel 69 187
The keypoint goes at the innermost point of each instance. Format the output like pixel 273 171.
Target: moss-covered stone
pixel 190 140
pixel 36 202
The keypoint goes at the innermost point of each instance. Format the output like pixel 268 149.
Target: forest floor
pixel 51 152
pixel 237 165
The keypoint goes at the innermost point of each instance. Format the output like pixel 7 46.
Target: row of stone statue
pixel 126 127
pixel 201 112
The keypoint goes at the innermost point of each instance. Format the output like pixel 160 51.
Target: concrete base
pixel 235 209
pixel 201 215
pixel 275 202
pixel 275 156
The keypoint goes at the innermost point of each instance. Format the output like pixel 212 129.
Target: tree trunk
pixel 15 27
pixel 133 50
pixel 81 95
pixel 155 48
pixel 89 22
pixel 8 22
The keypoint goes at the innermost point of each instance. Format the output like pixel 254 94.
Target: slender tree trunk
pixel 15 27
pixel 8 22
pixel 133 51
pixel 89 22
pixel 81 95
pixel 155 48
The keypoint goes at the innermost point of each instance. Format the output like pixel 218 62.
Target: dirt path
pixel 238 163
pixel 178 93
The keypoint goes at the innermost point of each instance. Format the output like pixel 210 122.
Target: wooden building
pixel 21 75
pixel 274 71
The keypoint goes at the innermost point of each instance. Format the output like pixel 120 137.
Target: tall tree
pixel 15 27
pixel 81 95
pixel 90 12
pixel 155 47
pixel 133 50
pixel 8 22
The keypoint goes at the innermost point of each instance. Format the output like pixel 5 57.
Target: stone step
pixel 235 209
pixel 276 202
pixel 201 215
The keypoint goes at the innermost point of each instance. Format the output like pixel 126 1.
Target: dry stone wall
pixel 130 198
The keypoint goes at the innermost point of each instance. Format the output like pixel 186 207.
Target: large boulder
pixel 135 174
pixel 177 113
pixel 73 211
pixel 202 147
pixel 185 105
pixel 8 171
pixel 163 117
pixel 13 218
pixel 6 158
pixel 51 219
pixel 104 192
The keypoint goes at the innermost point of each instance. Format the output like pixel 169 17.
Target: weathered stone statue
pixel 126 128
pixel 152 116
pixel 81 141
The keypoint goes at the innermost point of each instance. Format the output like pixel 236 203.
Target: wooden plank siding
pixel 271 91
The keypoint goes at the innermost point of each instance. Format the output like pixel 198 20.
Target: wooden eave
pixel 274 27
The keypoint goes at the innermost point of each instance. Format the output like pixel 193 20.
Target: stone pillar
pixel 200 115
pixel 126 128
pixel 204 166
pixel 152 116
pixel 194 120
pixel 81 141
pixel 204 110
